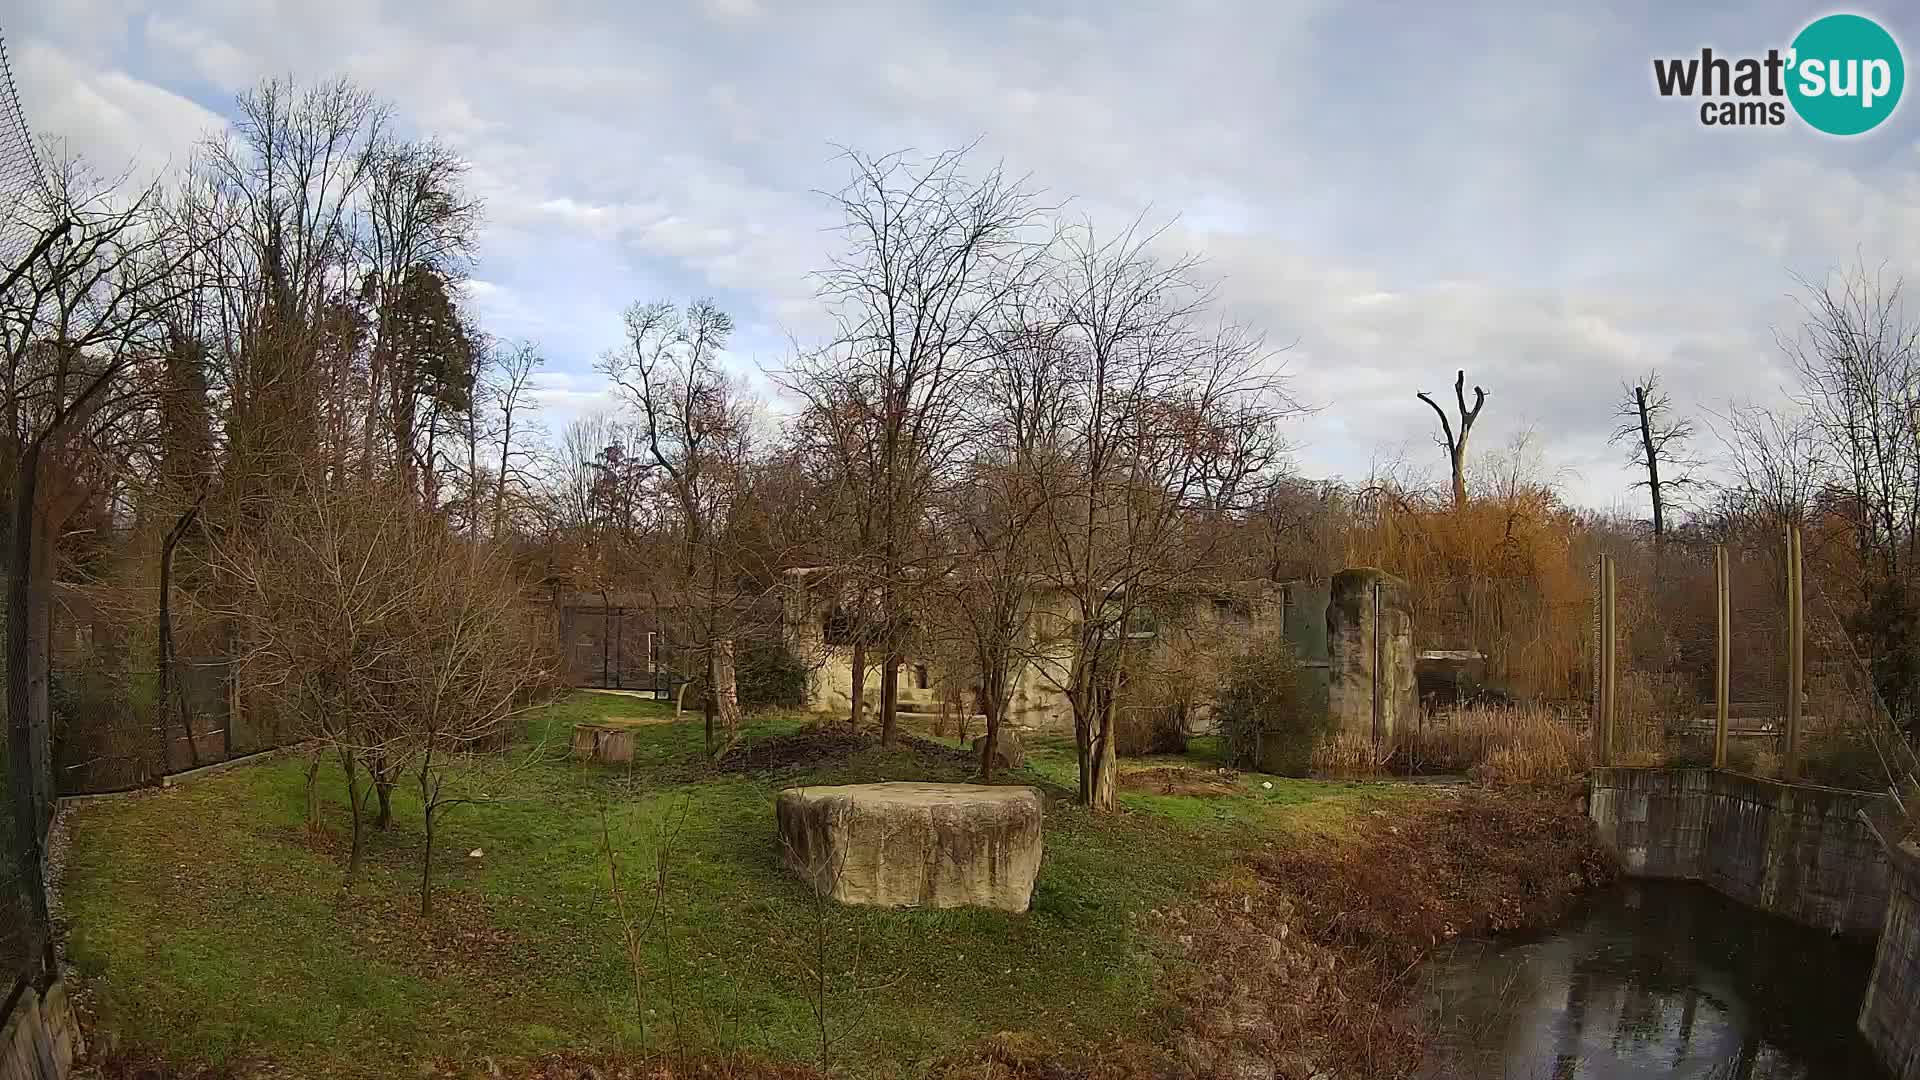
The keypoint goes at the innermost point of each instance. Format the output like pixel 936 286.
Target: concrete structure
pixel 1890 1013
pixel 915 844
pixel 1204 627
pixel 40 1036
pixel 1796 850
pixel 1008 750
pixel 1371 689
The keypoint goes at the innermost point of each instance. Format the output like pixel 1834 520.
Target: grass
pixel 207 922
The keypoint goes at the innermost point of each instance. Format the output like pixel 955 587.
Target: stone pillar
pixel 1370 690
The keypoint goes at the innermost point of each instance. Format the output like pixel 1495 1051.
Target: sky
pixel 1391 190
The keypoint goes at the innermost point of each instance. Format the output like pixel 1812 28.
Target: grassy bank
pixel 210 926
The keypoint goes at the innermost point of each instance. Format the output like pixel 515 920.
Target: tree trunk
pixel 889 698
pixel 164 663
pixel 313 792
pixel 858 692
pixel 384 775
pixel 1083 752
pixel 707 703
pixel 724 686
pixel 1104 787
pixel 1653 466
pixel 426 860
pixel 353 805
pixel 382 791
pixel 992 738
pixel 1457 459
pixel 428 799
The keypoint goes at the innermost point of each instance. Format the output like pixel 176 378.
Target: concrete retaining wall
pixel 37 1041
pixel 1795 850
pixel 1890 1014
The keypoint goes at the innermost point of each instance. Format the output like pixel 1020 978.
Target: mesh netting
pixel 21 178
pixel 20 182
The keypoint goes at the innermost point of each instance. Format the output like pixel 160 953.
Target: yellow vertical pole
pixel 1608 674
pixel 1722 654
pixel 1796 649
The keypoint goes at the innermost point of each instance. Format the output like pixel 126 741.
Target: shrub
pixel 1150 728
pixel 770 676
pixel 1845 760
pixel 1262 713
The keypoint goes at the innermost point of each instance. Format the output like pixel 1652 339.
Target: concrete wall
pixel 38 1039
pixel 1890 1014
pixel 1370 654
pixel 1206 627
pixel 1795 850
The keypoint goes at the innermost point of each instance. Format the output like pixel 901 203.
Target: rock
pixel 915 844
pixel 1008 751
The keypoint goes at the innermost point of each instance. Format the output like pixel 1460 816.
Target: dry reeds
pixel 1491 745
pixel 1513 746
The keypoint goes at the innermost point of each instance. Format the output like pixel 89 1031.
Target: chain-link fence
pixel 111 734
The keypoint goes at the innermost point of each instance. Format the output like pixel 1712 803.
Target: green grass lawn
pixel 208 923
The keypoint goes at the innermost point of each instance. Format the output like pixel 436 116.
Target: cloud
pixel 1396 191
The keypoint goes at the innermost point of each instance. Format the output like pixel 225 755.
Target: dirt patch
pixel 633 721
pixel 1307 959
pixel 1179 780
pixel 1302 963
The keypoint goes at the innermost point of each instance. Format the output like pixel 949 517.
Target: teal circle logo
pixel 1845 74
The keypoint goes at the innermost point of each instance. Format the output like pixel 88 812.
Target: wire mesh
pixel 21 184
pixel 22 180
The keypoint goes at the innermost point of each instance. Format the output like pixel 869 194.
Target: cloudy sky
pixel 1398 189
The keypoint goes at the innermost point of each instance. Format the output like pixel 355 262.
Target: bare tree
pixel 1161 420
pixel 1659 445
pixel 507 389
pixel 1857 355
pixel 931 254
pixel 1777 462
pixel 696 425
pixel 1456 445
pixel 419 237
pixel 74 322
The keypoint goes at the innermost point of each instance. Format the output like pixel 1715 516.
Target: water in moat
pixel 1653 979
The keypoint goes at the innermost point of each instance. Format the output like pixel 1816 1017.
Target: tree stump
pixel 602 742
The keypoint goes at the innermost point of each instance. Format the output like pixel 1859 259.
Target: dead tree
pixel 1657 443
pixel 1456 445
